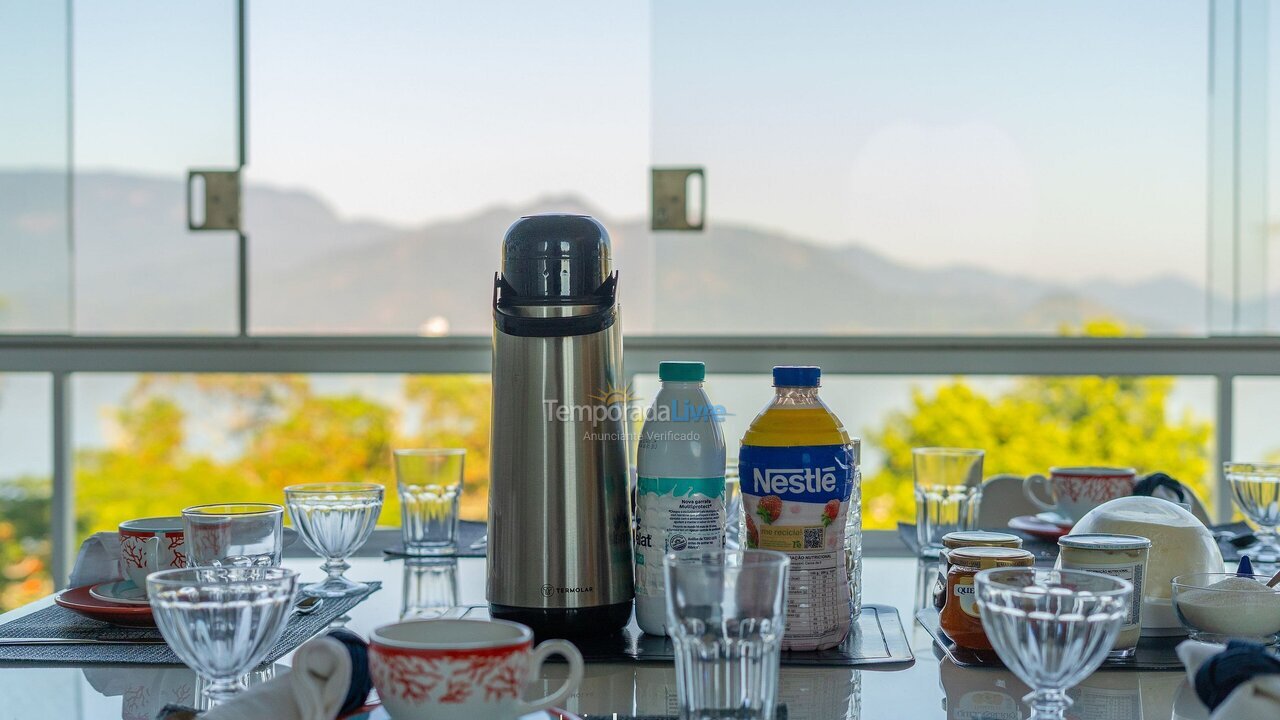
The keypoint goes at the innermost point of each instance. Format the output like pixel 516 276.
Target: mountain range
pixel 137 269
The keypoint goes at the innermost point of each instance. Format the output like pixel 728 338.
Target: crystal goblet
pixel 1052 628
pixel 222 621
pixel 1255 488
pixel 334 520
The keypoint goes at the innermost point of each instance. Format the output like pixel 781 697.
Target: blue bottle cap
pixel 796 375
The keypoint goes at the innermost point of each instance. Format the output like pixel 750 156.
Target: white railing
pixel 1220 358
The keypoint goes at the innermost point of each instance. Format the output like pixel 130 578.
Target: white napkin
pixel 98 560
pixel 313 689
pixel 1258 699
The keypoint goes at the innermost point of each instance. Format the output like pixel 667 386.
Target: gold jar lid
pixel 980 538
pixel 982 558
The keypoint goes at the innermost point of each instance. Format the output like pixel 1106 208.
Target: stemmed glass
pixel 222 621
pixel 334 520
pixel 1255 487
pixel 1052 628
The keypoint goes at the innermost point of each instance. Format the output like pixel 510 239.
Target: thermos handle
pixel 566 326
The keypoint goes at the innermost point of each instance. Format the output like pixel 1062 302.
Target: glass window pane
pixel 34 181
pixel 186 439
pixel 156 94
pixel 1025 424
pixel 1253 432
pixel 392 145
pixel 932 167
pixel 26 458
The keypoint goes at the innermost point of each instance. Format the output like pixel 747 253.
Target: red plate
pixel 1034 526
pixel 79 600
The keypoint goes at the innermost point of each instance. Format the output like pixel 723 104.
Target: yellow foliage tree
pixel 1039 423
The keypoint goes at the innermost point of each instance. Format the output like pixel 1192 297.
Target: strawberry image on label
pixel 770 508
pixel 830 512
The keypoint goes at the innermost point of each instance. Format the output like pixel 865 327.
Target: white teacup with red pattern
pixel 463 669
pixel 149 545
pixel 1074 491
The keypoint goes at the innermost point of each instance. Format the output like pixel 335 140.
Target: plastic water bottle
pixel 680 484
pixel 801 494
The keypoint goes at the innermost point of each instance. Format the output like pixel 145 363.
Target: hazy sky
pixel 1053 139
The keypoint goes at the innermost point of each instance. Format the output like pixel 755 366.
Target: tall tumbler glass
pixel 234 534
pixel 948 490
pixel 726 612
pixel 430 484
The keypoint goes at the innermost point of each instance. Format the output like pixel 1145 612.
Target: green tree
pixel 24 541
pixel 289 435
pixel 454 411
pixel 1040 422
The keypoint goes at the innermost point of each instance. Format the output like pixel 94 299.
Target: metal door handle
pixel 670 208
pixel 221 200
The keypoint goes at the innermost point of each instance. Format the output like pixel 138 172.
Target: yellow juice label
pixel 786 538
pixel 796 500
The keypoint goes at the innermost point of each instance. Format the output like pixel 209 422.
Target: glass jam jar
pixel 962 539
pixel 960 619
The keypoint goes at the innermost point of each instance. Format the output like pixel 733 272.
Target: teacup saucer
pixel 121 591
pixel 1055 518
pixel 1036 527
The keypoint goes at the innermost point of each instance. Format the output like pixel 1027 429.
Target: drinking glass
pixel 222 621
pixel 233 534
pixel 334 520
pixel 726 613
pixel 430 587
pixel 430 483
pixel 948 489
pixel 1052 628
pixel 1255 487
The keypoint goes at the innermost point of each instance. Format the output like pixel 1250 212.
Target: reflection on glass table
pixel 430 588
pixel 929 689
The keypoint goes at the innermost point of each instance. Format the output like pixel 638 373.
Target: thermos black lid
pixel 556 256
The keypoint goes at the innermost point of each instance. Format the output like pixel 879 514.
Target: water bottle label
pixel 796 500
pixel 675 515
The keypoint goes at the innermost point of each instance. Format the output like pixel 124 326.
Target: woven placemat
pixel 59 622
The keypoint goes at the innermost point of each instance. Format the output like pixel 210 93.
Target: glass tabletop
pixel 929 688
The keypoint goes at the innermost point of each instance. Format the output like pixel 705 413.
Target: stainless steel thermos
pixel 559 556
